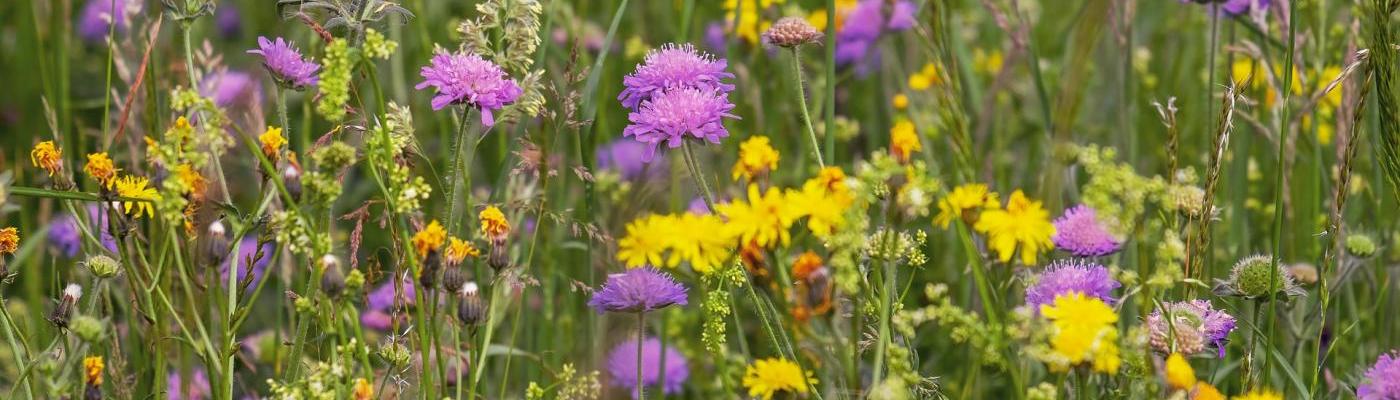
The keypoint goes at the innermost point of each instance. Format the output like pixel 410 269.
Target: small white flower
pixel 73 291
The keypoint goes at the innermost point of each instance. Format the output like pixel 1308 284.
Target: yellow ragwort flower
pixel 363 390
pixel 823 200
pixel 47 156
pixel 701 240
pixel 767 377
pixel 272 143
pixel 763 219
pixel 1259 394
pixel 134 187
pixel 92 370
pixel 751 21
pixel 9 240
pixel 1204 391
pixel 1024 223
pixel 647 242
pixel 756 158
pixel 493 223
pixel 963 203
pixel 429 239
pixel 1084 331
pixel 1179 373
pixel 900 101
pixel 805 264
pixel 904 140
pixel 458 250
pixel 191 179
pixel 100 168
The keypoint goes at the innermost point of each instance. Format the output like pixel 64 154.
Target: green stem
pixel 698 176
pixel 802 101
pixel 641 339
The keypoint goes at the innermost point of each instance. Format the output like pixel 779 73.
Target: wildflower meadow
pixel 700 199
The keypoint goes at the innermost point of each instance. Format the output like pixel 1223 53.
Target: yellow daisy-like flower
pixel 924 78
pixel 429 239
pixel 824 209
pixel 805 264
pixel 1084 331
pixel 92 370
pixel 458 250
pixel 756 158
pixel 191 179
pixel 272 142
pixel 493 223
pixel 986 62
pixel 363 390
pixel 47 156
pixel 1204 391
pixel 763 219
pixel 751 22
pixel 134 187
pixel 1024 223
pixel 904 140
pixel 100 168
pixel 900 101
pixel 767 377
pixel 9 240
pixel 963 201
pixel 1179 373
pixel 701 240
pixel 647 241
pixel 1259 394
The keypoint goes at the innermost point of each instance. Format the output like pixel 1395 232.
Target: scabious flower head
pixel 964 202
pixel 285 63
pixel 1080 232
pixel 671 116
pixel 98 16
pixel 904 140
pixel 626 157
pixel 674 67
pixel 862 27
pixel 458 250
pixel 1179 373
pixel 791 32
pixel 622 365
pixel 767 377
pixel 1023 224
pixel 756 158
pixel 1259 394
pixel 66 236
pixel 9 240
pixel 48 156
pixel 100 168
pixel 1084 330
pixel 1382 381
pixel 197 388
pixel 638 290
pixel 232 88
pixel 134 187
pixel 493 223
pixel 429 239
pixel 764 219
pixel 272 142
pixel 471 80
pixel 1194 325
pixel 1064 277
pixel 1235 7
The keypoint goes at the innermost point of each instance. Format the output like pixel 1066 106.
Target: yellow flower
pixel 824 209
pixel 962 201
pixel 1259 394
pixel 429 239
pixel 47 156
pixel 1084 330
pixel 9 240
pixel 101 168
pixel 924 78
pixel 191 179
pixel 134 187
pixel 1023 223
pixel 493 223
pixel 805 265
pixel 458 250
pixel 1204 391
pixel 272 142
pixel 763 219
pixel 756 158
pixel 900 102
pixel 647 241
pixel 363 390
pixel 701 240
pixel 1179 372
pixel 764 378
pixel 904 140
pixel 751 22
pixel 92 370
pixel 987 62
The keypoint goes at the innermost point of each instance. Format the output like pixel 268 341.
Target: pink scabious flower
pixel 1235 7
pixel 1382 381
pixel 1195 324
pixel 462 78
pixel 674 67
pixel 1062 277
pixel 285 63
pixel 98 16
pixel 1080 233
pixel 675 114
pixel 638 290
pixel 622 365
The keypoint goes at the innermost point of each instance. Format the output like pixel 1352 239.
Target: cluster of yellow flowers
pixel 1022 225
pixel 1084 331
pixel 666 240
pixel 767 377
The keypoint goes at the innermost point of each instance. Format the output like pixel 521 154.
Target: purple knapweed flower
pixel 98 15
pixel 622 365
pixel 1080 233
pixel 1195 325
pixel 675 114
pixel 285 63
pixel 638 290
pixel 674 67
pixel 1382 381
pixel 248 248
pixel 196 389
pixel 468 79
pixel 67 238
pixel 1065 276
pixel 625 157
pixel 1234 7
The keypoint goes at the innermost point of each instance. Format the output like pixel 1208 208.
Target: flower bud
pixel 89 329
pixel 291 178
pixel 791 32
pixel 332 281
pixel 1360 245
pixel 427 275
pixel 102 266
pixel 453 278
pixel 470 309
pixel 71 294
pixel 354 281
pixel 218 243
pixel 395 354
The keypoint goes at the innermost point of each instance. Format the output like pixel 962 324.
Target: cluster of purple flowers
pixel 677 92
pixel 1071 276
pixel 1194 325
pixel 468 79
pixel 859 35
pixel 1382 381
pixel 1080 233
pixel 622 365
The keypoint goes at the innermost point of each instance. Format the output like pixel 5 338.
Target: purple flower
pixel 67 237
pixel 1235 7
pixel 902 15
pixel 638 290
pixel 377 313
pixel 715 38
pixel 1080 233
pixel 674 114
pixel 856 42
pixel 622 365
pixel 229 88
pixel 697 206
pixel 285 63
pixel 228 20
pixel 469 79
pixel 1382 381
pixel 248 248
pixel 674 67
pixel 1195 324
pixel 196 389
pixel 625 157
pixel 1066 276
pixel 97 18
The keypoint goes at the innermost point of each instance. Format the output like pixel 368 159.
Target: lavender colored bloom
pixel 98 15
pixel 469 79
pixel 247 249
pixel 229 88
pixel 196 389
pixel 1235 7
pixel 697 206
pixel 674 67
pixel 902 15
pixel 228 20
pixel 66 237
pixel 674 114
pixel 382 298
pixel 1066 276
pixel 1080 233
pixel 376 319
pixel 622 365
pixel 1382 381
pixel 1195 324
pixel 625 157
pixel 285 63
pixel 715 38
pixel 638 290
pixel 857 40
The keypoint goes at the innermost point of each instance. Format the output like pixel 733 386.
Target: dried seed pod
pixel 428 273
pixel 470 309
pixel 291 178
pixel 791 32
pixel 453 278
pixel 332 281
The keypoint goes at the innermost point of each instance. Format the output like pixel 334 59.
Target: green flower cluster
pixel 334 87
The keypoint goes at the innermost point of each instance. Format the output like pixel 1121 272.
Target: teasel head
pixel 291 179
pixel 470 309
pixel 66 302
pixel 332 280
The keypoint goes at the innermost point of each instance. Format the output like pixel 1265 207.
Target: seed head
pixel 791 32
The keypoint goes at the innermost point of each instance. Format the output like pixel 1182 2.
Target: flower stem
pixel 802 101
pixel 699 177
pixel 641 334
